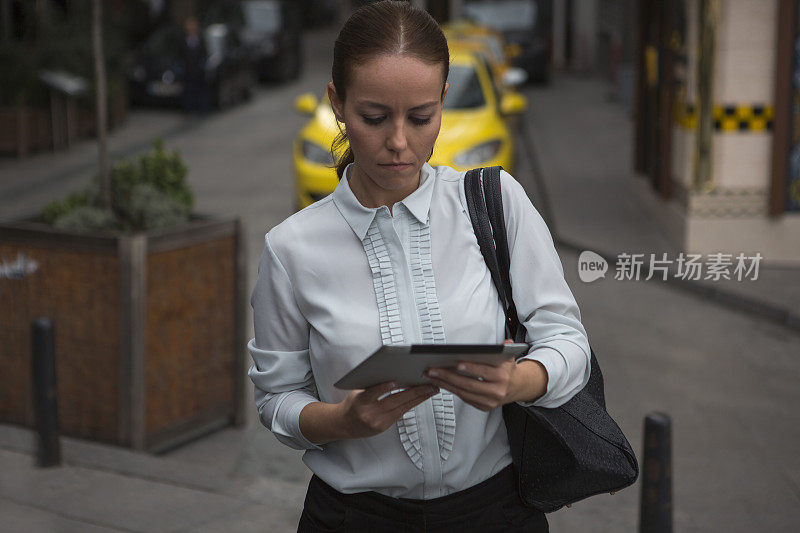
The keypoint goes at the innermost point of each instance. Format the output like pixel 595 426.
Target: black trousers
pixel 490 506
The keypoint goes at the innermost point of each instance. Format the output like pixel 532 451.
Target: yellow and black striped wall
pixel 729 117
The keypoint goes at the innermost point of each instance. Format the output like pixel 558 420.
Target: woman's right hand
pixel 368 412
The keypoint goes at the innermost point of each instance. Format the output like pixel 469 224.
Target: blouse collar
pixel 360 217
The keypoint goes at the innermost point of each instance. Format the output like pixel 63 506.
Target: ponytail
pixel 347 156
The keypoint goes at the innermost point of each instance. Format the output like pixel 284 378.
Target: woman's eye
pixel 419 121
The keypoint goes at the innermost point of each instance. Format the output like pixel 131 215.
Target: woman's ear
pixel 336 104
pixel 444 93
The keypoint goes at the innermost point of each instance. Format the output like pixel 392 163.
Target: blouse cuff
pixel 279 371
pixel 286 420
pixel 284 385
pixel 567 368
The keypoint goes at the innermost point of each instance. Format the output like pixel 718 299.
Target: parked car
pixel 157 73
pixel 524 26
pixel 272 29
pixel 474 130
pixel 491 45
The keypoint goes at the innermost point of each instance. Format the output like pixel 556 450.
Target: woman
pixel 390 257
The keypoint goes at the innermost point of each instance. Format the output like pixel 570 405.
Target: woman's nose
pixel 397 137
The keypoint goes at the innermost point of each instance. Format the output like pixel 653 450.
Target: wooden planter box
pixel 149 330
pixel 23 129
pixel 26 129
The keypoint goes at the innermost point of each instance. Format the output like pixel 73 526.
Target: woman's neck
pixel 371 196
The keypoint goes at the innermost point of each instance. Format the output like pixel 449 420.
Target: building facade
pixel 718 124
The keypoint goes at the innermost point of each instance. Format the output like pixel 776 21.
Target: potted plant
pixel 147 301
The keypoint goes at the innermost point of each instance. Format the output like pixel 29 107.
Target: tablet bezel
pixel 391 362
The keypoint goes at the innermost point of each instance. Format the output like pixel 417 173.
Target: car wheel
pixel 281 73
pixel 223 94
pixel 286 67
pixel 297 64
pixel 251 80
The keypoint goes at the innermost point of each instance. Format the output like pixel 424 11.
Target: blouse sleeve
pixel 281 370
pixel 545 304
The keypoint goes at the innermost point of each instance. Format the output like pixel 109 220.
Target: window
pixel 465 90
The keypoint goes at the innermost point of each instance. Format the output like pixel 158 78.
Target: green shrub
pixel 89 196
pixel 148 194
pixel 85 218
pixel 166 172
pixel 152 209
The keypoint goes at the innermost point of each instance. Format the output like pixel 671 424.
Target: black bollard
pixel 655 513
pixel 44 386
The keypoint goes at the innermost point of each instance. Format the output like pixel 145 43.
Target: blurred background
pixel 146 147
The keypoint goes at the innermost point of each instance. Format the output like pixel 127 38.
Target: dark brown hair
pixel 385 27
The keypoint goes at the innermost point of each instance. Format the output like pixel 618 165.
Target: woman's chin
pixel 398 178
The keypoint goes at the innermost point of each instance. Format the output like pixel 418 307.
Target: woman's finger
pixel 398 411
pixel 376 391
pixel 487 372
pixel 478 401
pixel 393 401
pixel 440 375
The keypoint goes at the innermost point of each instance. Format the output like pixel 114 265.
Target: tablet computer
pixel 405 363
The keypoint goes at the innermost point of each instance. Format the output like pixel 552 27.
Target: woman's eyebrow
pixel 381 106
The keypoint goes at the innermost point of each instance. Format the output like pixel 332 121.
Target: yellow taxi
pixel 491 43
pixel 475 128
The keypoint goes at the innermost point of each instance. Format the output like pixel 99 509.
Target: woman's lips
pixel 400 166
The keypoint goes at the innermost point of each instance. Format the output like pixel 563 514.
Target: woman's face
pixel 392 114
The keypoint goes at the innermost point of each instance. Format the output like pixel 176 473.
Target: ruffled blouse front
pixel 337 280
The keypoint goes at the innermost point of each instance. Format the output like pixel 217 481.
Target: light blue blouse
pixel 337 280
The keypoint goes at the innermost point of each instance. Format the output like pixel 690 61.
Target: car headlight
pixel 316 154
pixel 478 154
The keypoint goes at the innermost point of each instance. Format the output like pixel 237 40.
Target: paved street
pixel 729 379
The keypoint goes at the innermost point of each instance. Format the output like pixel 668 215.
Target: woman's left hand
pixel 490 386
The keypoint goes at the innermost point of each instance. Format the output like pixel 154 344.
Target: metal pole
pixel 655 514
pixel 45 392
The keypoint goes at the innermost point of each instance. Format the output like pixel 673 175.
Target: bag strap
pixel 482 227
pixel 485 205
pixel 494 206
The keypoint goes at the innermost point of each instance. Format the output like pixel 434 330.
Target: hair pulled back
pixel 385 27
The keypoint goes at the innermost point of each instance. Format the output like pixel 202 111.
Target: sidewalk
pixel 106 488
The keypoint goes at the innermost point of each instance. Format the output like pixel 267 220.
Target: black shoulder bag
pixel 563 454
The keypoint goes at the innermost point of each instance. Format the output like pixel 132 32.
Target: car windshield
pixel 490 43
pixel 504 16
pixel 262 15
pixel 465 90
pixel 496 47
